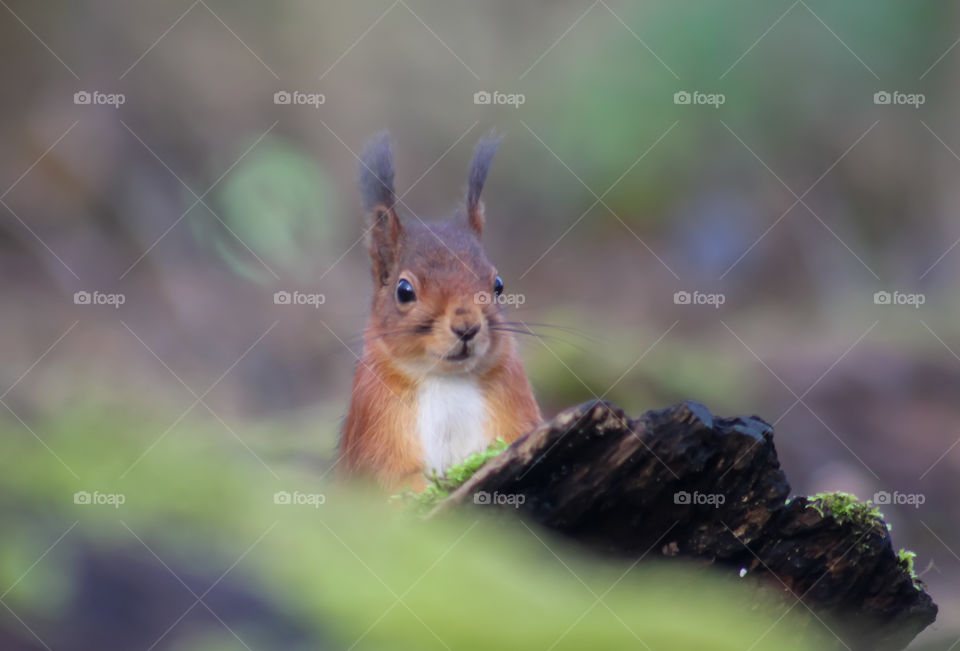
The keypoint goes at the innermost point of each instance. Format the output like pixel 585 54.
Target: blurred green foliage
pixel 281 204
pixel 628 106
pixel 351 569
pixel 567 370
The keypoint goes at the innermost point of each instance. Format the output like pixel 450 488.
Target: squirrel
pixel 440 377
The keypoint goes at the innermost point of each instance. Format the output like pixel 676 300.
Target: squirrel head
pixel 435 307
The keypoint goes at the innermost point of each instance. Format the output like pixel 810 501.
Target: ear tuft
pixel 376 173
pixel 482 157
pixel 379 197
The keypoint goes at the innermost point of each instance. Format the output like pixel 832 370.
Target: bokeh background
pixel 199 197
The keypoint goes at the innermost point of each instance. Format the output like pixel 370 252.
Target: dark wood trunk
pixel 680 482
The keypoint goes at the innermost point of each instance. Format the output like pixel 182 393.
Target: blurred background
pixel 706 197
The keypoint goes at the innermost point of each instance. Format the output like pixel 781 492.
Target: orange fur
pixel 446 269
pixel 380 438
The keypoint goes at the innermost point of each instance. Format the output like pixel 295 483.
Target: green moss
pixel 440 486
pixel 846 508
pixel 907 559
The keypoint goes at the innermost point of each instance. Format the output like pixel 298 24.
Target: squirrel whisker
pixel 540 335
pixel 573 331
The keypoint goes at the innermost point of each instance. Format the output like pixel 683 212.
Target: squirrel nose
pixel 465 333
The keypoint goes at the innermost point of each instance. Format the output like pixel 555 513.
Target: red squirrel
pixel 440 377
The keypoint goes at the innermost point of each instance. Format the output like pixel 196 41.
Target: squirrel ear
pixel 379 197
pixel 383 241
pixel 479 166
pixel 376 173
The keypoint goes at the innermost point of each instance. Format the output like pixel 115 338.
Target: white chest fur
pixel 452 416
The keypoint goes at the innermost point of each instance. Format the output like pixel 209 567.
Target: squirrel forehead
pixel 443 247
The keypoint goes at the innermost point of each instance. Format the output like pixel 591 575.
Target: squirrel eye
pixel 498 286
pixel 405 293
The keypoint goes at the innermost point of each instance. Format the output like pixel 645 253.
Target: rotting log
pixel 680 482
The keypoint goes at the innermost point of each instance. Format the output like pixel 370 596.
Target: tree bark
pixel 680 482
